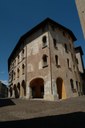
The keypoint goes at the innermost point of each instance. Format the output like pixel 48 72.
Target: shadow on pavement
pixel 6 102
pixel 76 120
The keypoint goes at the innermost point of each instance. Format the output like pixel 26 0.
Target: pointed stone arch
pixel 37 88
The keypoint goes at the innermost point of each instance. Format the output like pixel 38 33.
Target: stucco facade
pixel 43 64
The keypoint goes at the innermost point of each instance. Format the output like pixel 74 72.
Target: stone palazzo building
pixel 79 58
pixel 43 64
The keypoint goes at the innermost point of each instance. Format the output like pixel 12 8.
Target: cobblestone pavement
pixel 18 113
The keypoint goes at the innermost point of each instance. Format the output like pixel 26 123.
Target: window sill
pixel 56 47
pixel 23 73
pixel 44 46
pixel 45 66
pixel 70 69
pixel 58 66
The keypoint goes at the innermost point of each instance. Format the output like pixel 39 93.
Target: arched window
pixel 18 73
pixel 69 63
pixel 55 43
pixel 44 40
pixel 23 69
pixel 44 59
pixel 66 49
pixel 23 54
pixel 72 85
pixel 57 61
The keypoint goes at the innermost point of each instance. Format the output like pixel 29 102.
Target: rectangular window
pixel 18 73
pixel 44 41
pixel 23 69
pixel 57 61
pixel 44 59
pixel 69 64
pixel 72 86
pixel 55 43
pixel 66 48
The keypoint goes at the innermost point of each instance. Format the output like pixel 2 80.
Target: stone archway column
pixel 13 93
pixel 28 92
pixel 54 89
pixel 47 91
pixel 20 91
pixel 9 95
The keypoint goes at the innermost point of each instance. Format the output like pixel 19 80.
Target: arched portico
pixel 37 88
pixel 18 89
pixel 23 88
pixel 15 91
pixel 60 88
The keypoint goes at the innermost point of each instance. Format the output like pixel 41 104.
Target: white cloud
pixel 4 82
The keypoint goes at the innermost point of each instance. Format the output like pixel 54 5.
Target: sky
pixel 19 16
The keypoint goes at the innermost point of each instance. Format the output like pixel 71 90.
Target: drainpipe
pixel 50 60
pixel 26 70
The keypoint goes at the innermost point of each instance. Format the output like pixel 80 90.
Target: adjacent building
pixel 3 90
pixel 43 64
pixel 79 59
pixel 80 4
